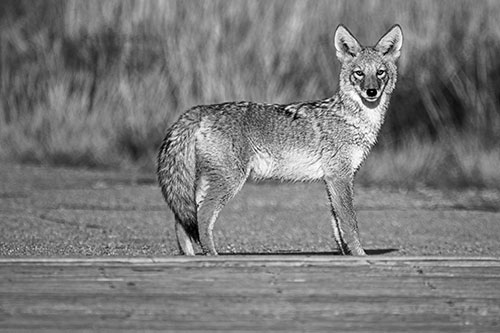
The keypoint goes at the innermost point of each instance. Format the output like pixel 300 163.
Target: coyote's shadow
pixel 371 252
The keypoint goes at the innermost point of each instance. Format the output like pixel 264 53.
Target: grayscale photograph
pixel 249 165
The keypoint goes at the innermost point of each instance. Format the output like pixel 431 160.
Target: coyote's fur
pixel 208 154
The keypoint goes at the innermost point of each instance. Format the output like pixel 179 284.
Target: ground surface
pixel 95 251
pixel 67 212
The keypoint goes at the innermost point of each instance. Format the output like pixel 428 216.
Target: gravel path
pixel 71 212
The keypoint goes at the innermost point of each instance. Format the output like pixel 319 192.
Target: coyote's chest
pixel 294 165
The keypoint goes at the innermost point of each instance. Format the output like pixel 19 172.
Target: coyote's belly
pixel 294 165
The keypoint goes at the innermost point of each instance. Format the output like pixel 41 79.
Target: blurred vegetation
pixel 97 82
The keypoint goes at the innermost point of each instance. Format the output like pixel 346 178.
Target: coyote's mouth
pixel 370 102
pixel 371 99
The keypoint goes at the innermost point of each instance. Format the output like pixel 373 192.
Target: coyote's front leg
pixel 345 226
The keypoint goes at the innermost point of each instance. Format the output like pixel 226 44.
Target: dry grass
pixel 97 82
pixel 451 162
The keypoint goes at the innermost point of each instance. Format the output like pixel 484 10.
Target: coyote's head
pixel 368 72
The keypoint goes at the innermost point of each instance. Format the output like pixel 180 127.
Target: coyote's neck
pixel 367 118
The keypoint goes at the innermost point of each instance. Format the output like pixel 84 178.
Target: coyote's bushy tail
pixel 177 172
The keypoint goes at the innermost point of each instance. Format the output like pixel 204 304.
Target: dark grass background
pixel 96 83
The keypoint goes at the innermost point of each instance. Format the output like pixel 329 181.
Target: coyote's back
pixel 209 153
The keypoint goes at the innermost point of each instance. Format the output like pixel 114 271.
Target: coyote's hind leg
pixel 219 189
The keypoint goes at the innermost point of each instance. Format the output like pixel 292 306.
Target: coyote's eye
pixel 359 74
pixel 381 73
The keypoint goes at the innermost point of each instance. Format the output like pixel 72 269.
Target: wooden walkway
pixel 251 293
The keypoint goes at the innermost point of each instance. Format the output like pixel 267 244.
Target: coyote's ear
pixel 390 43
pixel 346 44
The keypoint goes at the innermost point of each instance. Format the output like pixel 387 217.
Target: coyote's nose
pixel 371 92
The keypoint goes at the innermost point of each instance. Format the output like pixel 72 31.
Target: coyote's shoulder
pixel 208 154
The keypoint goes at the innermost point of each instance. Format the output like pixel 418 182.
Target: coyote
pixel 208 154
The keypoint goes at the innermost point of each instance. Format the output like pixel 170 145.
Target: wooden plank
pixel 255 293
pixel 250 259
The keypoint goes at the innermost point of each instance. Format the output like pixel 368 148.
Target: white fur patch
pixel 295 165
pixel 357 157
pixel 373 115
pixel 262 165
pixel 201 190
